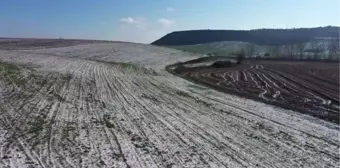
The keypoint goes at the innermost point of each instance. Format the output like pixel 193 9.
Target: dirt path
pixel 79 112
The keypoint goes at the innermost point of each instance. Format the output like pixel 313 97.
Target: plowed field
pixel 308 87
pixel 114 105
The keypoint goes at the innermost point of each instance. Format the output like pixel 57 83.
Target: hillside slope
pixel 113 105
pixel 259 37
pixel 221 48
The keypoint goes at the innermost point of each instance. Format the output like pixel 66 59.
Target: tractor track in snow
pixel 93 111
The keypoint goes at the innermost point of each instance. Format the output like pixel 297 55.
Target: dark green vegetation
pixel 269 37
pixel 8 69
pixel 10 73
pixel 37 126
pixel 128 66
pixel 18 83
pixel 107 122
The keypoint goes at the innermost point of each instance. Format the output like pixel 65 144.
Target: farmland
pixel 309 87
pixel 30 43
pixel 113 104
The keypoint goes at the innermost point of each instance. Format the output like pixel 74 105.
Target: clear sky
pixel 146 20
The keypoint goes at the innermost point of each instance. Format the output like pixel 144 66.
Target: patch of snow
pixel 111 115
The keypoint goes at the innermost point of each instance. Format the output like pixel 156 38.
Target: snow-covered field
pixel 80 107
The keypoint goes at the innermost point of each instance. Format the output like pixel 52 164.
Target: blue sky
pixel 146 20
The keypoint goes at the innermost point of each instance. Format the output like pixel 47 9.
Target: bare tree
pixel 250 50
pixel 333 48
pixel 240 56
pixel 315 48
pixel 337 47
pixel 289 50
pixel 323 47
pixel 300 48
pixel 276 50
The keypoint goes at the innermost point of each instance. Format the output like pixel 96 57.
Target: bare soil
pixel 308 87
pixel 114 105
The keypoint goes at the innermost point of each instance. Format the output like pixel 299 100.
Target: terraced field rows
pixel 79 110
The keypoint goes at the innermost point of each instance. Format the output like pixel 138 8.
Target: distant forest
pixel 270 37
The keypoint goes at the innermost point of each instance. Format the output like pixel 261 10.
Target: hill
pixel 221 48
pixel 269 37
pixel 36 43
pixel 114 104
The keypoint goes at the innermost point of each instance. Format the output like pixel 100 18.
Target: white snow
pixel 116 115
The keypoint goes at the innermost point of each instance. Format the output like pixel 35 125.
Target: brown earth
pixel 33 43
pixel 308 87
pixel 101 105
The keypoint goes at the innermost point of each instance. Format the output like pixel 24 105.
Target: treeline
pixel 271 37
pixel 322 49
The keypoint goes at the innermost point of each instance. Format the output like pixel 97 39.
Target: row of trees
pixel 316 49
pixel 268 37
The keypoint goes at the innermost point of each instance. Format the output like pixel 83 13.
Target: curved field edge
pixel 111 115
pixel 180 67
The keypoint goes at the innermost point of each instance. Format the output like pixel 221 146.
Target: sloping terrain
pixel 269 37
pixel 228 48
pixel 223 48
pixel 31 43
pixel 80 106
